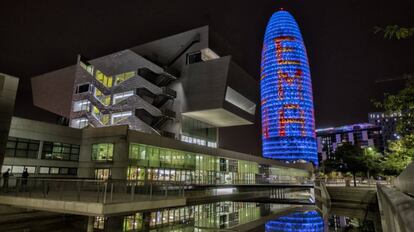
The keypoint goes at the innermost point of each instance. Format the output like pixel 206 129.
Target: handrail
pixel 87 190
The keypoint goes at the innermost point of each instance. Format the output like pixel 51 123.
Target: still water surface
pixel 219 216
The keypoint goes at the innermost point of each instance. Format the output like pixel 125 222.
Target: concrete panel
pixel 405 181
pixel 53 91
pixel 8 90
pixel 30 129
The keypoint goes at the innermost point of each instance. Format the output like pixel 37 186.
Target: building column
pixel 89 227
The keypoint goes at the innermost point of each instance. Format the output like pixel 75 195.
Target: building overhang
pixel 218 117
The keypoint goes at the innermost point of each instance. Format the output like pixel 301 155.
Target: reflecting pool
pixel 218 216
pixel 207 217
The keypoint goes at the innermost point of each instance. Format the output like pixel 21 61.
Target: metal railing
pixel 86 190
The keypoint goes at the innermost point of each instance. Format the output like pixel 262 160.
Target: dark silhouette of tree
pixel 350 159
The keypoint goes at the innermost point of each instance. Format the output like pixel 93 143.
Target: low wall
pixel 405 181
pixel 396 210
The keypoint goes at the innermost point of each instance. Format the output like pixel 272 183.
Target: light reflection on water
pixel 219 216
pixel 309 221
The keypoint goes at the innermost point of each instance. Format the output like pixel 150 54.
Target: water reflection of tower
pixel 286 93
pixel 298 221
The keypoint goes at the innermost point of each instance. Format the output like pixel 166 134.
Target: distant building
pixel 363 134
pixel 388 123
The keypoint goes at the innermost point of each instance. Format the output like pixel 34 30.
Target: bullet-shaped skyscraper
pixel 288 126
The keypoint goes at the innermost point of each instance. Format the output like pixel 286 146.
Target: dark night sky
pixel 345 56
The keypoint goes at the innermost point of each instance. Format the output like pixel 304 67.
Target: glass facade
pixel 58 170
pixel 82 105
pixel 104 79
pixel 104 99
pixel 118 97
pixel 79 123
pixel 28 148
pixel 60 151
pixel 102 173
pixel 107 81
pixel 123 77
pixel 288 127
pixel 197 132
pixel 23 148
pixel 103 118
pixel 119 117
pixel 205 217
pixel 102 151
pixel 163 164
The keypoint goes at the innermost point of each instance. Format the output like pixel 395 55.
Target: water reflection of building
pixel 298 221
pixel 204 217
pixel 338 223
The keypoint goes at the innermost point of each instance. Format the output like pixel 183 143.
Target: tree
pixel 351 159
pixel 330 165
pixel 400 154
pixel 372 161
pixel 395 31
pixel 402 102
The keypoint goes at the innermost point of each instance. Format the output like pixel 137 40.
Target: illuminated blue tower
pixel 288 126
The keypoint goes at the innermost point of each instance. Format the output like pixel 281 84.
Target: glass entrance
pixel 102 173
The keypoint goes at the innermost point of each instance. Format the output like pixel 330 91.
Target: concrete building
pixel 363 134
pixel 146 113
pixel 118 152
pixel 177 87
pixel 8 90
pixel 388 123
pixel 143 135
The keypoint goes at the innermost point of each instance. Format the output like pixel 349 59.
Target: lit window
pixel 54 170
pixel 44 170
pixel 102 151
pixel 104 79
pixel 123 77
pixel 88 68
pixel 82 105
pixel 79 123
pixel 117 117
pixel 121 96
pixel 106 100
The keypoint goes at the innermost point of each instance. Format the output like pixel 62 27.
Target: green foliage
pixel 401 153
pixel 395 31
pixel 372 160
pixel 330 165
pixel 351 157
pixel 402 102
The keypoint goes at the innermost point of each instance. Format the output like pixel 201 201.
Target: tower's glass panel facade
pixel 286 93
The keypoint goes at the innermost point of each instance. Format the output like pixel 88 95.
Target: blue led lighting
pixel 309 221
pixel 286 93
